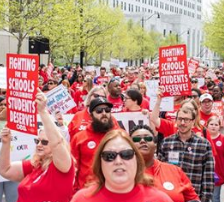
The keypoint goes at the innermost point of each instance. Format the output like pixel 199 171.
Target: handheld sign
pixel 22 83
pixel 58 99
pixel 173 71
pixel 192 66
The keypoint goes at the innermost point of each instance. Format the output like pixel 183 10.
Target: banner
pixel 167 103
pixel 58 99
pixel 127 120
pixel 173 71
pixel 22 83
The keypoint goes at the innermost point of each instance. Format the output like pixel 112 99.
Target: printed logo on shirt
pixel 91 144
pixel 219 143
pixel 168 186
pixel 202 122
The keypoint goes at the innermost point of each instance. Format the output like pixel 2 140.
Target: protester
pixel 82 118
pixel 43 72
pixel 41 178
pixel 217 93
pixel 119 170
pixel 192 153
pixel 84 143
pixel 102 78
pixel 214 125
pixel 78 83
pixel 81 94
pixel 114 95
pixel 132 101
pixel 196 93
pixel 167 178
pixel 7 188
pixel 206 101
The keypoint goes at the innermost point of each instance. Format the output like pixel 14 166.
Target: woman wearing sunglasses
pixel 167 178
pixel 49 175
pixel 119 171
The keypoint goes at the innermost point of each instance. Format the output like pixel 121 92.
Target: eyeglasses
pixel 194 82
pixel 139 139
pixel 3 104
pixel 97 95
pixel 101 109
pixel 3 92
pixel 186 120
pixel 110 156
pixel 43 142
pixel 50 83
pixel 84 80
pixel 126 81
pixel 193 96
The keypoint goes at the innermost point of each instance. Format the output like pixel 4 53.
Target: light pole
pixel 143 20
pixel 178 35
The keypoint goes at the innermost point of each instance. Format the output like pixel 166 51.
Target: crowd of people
pixel 177 157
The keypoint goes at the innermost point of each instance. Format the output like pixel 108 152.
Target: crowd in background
pixel 190 136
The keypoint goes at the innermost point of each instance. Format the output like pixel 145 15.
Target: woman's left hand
pixel 41 100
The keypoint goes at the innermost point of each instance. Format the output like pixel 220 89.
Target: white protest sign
pixel 105 64
pixel 114 62
pixel 123 64
pixel 22 147
pixel 58 99
pixel 167 103
pixel 3 82
pixel 90 68
pixel 201 82
pixel 129 119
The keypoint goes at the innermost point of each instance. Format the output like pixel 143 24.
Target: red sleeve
pixel 27 167
pixel 76 154
pixel 167 127
pixel 208 137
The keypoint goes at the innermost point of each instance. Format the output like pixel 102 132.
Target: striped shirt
pixel 195 157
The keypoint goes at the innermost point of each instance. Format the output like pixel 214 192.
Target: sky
pixel 207 6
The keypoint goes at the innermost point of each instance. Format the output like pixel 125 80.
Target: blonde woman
pixel 41 178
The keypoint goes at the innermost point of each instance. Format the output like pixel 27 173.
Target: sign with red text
pixel 58 99
pixel 192 66
pixel 22 83
pixel 173 71
pixel 217 109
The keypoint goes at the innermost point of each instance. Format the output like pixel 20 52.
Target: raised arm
pixel 9 170
pixel 61 153
pixel 155 119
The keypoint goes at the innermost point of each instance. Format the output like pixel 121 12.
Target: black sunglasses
pixel 96 95
pixel 146 139
pixel 50 83
pixel 110 156
pixel 101 109
pixel 43 142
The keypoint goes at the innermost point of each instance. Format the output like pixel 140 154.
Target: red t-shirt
pixel 172 115
pixel 79 99
pixel 219 158
pixel 140 193
pixel 101 80
pixel 145 103
pixel 76 86
pixel 83 147
pixel 173 181
pixel 204 117
pixel 118 104
pixel 48 185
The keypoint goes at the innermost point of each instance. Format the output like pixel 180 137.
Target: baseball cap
pixel 99 101
pixel 205 96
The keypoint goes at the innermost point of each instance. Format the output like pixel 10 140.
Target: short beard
pixel 100 127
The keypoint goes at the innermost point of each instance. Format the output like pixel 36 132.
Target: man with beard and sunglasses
pixel 84 143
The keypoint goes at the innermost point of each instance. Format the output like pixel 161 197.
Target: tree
pixel 22 18
pixel 214 29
